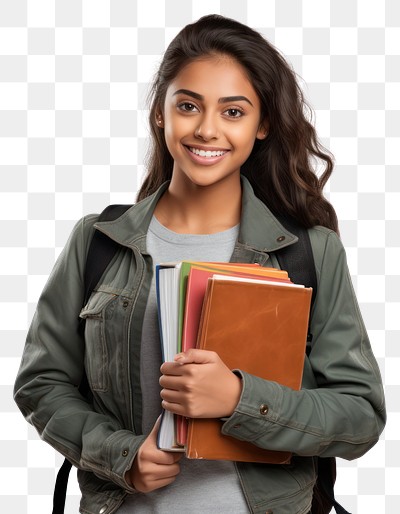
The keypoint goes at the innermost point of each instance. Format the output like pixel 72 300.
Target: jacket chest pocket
pixel 97 313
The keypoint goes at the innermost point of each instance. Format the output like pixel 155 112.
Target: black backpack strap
pixel 101 251
pixel 60 488
pixel 323 493
pixel 298 260
pixel 324 490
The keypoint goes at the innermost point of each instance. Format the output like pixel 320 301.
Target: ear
pixel 263 130
pixel 160 120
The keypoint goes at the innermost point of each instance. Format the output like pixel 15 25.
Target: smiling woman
pixel 212 106
pixel 211 118
pixel 232 155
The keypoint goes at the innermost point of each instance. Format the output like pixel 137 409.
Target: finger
pixel 175 383
pixel 156 425
pixel 164 470
pixel 195 356
pixel 167 458
pixel 175 408
pixel 150 451
pixel 169 471
pixel 154 431
pixel 159 457
pixel 166 474
pixel 173 457
pixel 171 368
pixel 172 396
pixel 169 381
pixel 160 477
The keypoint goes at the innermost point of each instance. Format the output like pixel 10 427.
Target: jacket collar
pixel 259 229
pixel 130 229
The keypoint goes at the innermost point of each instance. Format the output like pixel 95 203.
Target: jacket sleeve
pixel 340 410
pixel 46 387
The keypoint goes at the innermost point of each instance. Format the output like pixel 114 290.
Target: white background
pixel 73 130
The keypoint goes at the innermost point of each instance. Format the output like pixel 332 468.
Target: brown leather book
pixel 260 328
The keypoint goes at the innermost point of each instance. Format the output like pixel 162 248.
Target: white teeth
pixel 208 153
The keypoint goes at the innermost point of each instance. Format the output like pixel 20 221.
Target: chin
pixel 208 181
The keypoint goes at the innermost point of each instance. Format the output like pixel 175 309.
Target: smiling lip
pixel 206 155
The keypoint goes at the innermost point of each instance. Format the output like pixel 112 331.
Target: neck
pixel 200 209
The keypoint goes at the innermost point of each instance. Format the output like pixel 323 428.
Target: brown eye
pixel 187 107
pixel 234 113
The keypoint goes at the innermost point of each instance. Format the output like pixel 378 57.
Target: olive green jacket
pixel 340 410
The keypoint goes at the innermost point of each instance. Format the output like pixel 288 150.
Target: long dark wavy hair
pixel 282 168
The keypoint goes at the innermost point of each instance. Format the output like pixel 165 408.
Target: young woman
pixel 232 148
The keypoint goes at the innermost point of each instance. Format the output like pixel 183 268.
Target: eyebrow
pixel 223 100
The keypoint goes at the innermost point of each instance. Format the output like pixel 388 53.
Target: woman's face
pixel 211 119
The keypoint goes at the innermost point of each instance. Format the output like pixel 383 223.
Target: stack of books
pixel 255 318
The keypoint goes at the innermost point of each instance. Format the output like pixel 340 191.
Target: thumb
pixel 195 356
pixel 154 431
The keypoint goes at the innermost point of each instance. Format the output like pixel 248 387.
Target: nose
pixel 207 128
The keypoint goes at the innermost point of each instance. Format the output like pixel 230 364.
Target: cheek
pixel 175 129
pixel 245 132
pixel 171 136
pixel 244 137
pixel 170 146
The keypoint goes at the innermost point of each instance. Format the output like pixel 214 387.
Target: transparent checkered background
pixel 73 133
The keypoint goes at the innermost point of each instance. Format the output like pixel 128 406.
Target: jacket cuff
pixel 119 451
pixel 258 408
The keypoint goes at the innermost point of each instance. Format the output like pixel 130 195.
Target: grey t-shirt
pixel 202 485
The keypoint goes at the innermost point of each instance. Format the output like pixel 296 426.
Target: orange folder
pixel 259 328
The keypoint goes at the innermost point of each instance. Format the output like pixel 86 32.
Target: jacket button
pixel 103 509
pixel 125 453
pixel 264 410
pixel 280 239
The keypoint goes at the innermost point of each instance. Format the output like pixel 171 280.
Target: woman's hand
pixel 199 385
pixel 153 468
